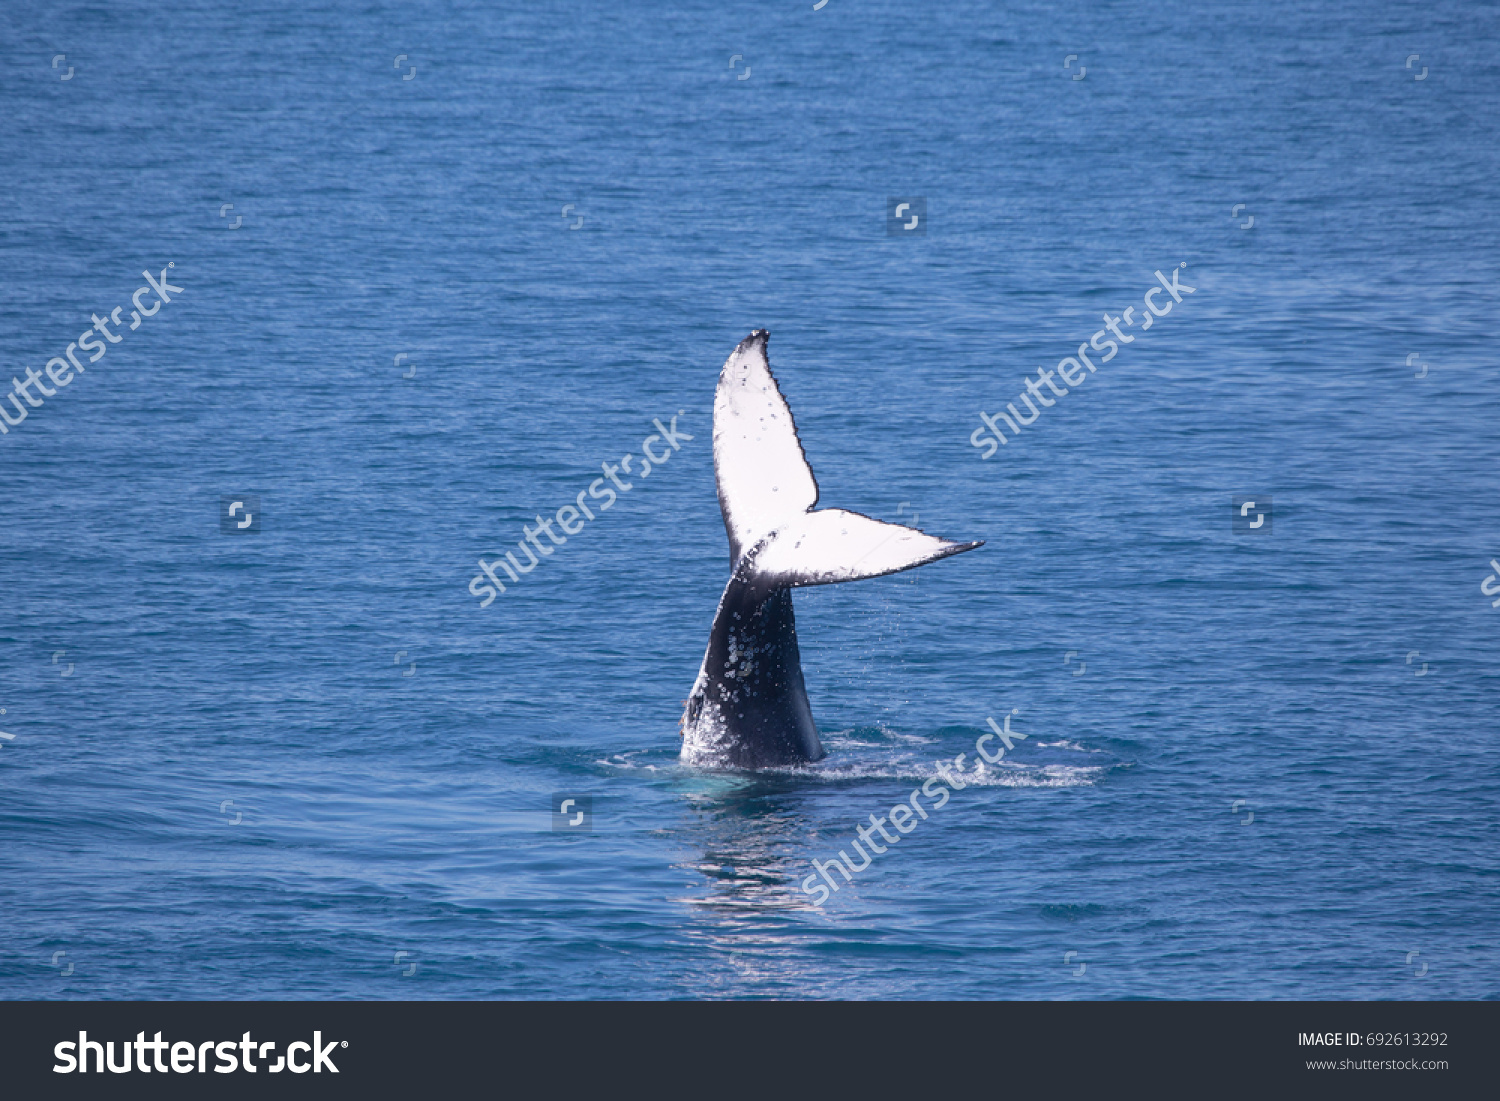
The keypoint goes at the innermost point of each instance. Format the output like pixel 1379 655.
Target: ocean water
pixel 439 263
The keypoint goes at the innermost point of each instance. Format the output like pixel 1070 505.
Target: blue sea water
pixel 226 778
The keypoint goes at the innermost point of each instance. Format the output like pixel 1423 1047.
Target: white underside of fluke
pixel 819 548
pixel 763 476
pixel 767 492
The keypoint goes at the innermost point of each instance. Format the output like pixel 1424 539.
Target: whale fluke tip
pixel 759 336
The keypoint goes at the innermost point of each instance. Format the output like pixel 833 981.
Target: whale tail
pixel 749 707
pixel 768 494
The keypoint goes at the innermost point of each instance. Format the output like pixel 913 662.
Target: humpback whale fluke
pixel 748 708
